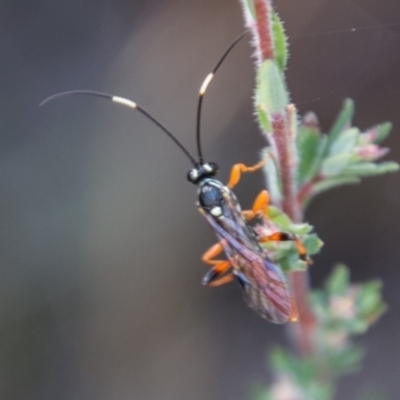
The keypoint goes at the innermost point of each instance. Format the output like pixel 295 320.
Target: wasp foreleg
pixel 239 169
pixel 283 237
pixel 215 276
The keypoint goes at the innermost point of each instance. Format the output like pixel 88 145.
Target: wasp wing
pixel 264 284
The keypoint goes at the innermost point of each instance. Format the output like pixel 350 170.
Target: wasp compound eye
pixel 207 170
pixel 193 175
pixel 214 167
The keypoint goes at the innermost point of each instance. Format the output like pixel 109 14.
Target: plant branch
pixel 300 163
pixel 262 31
pixel 279 122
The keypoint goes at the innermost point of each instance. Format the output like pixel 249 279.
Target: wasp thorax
pixel 207 170
pixel 211 197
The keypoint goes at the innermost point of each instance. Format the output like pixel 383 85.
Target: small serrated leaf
pixel 344 142
pixel 383 131
pixel 271 93
pixel 263 120
pixel 327 184
pixel 370 169
pixel 283 222
pixel 333 166
pixel 338 280
pixel 342 121
pixel 318 158
pixel 289 261
pixel 347 360
pixel 273 179
pixel 307 144
pixel 279 218
pixel 369 299
pixel 279 39
pixel 318 302
pixel 312 244
pixel 355 326
pixel 300 229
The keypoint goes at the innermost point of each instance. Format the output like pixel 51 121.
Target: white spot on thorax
pixel 216 211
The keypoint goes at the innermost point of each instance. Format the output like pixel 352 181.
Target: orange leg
pixel 221 281
pixel 259 208
pixel 282 237
pixel 216 276
pixel 212 252
pixel 239 169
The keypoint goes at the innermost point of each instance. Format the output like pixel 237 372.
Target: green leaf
pixel 279 39
pixel 271 94
pixel 369 169
pixel 369 300
pixel 263 120
pixel 343 120
pixel 333 166
pixel 338 280
pixel 383 131
pixel 285 254
pixel 347 360
pixel 289 261
pixel 279 218
pixel 356 326
pixel 345 142
pixel 300 229
pixel 330 183
pixel 307 145
pixel 318 158
pixel 312 244
pixel 319 306
pixel 280 360
pixel 273 179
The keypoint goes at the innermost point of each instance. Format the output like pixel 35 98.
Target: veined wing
pixel 266 290
pixel 264 284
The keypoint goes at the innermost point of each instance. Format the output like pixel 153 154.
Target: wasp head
pixel 202 171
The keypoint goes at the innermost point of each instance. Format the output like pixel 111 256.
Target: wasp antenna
pixel 127 103
pixel 76 93
pixel 204 87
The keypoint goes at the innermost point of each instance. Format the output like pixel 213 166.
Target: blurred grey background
pixel 100 294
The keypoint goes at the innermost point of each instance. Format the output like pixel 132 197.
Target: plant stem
pixel 263 30
pixel 282 136
pixel 283 123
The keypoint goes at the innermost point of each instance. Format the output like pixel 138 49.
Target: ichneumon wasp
pixel 264 284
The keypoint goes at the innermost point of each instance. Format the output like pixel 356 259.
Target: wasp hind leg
pixel 239 169
pixel 219 274
pixel 284 237
pixel 259 208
